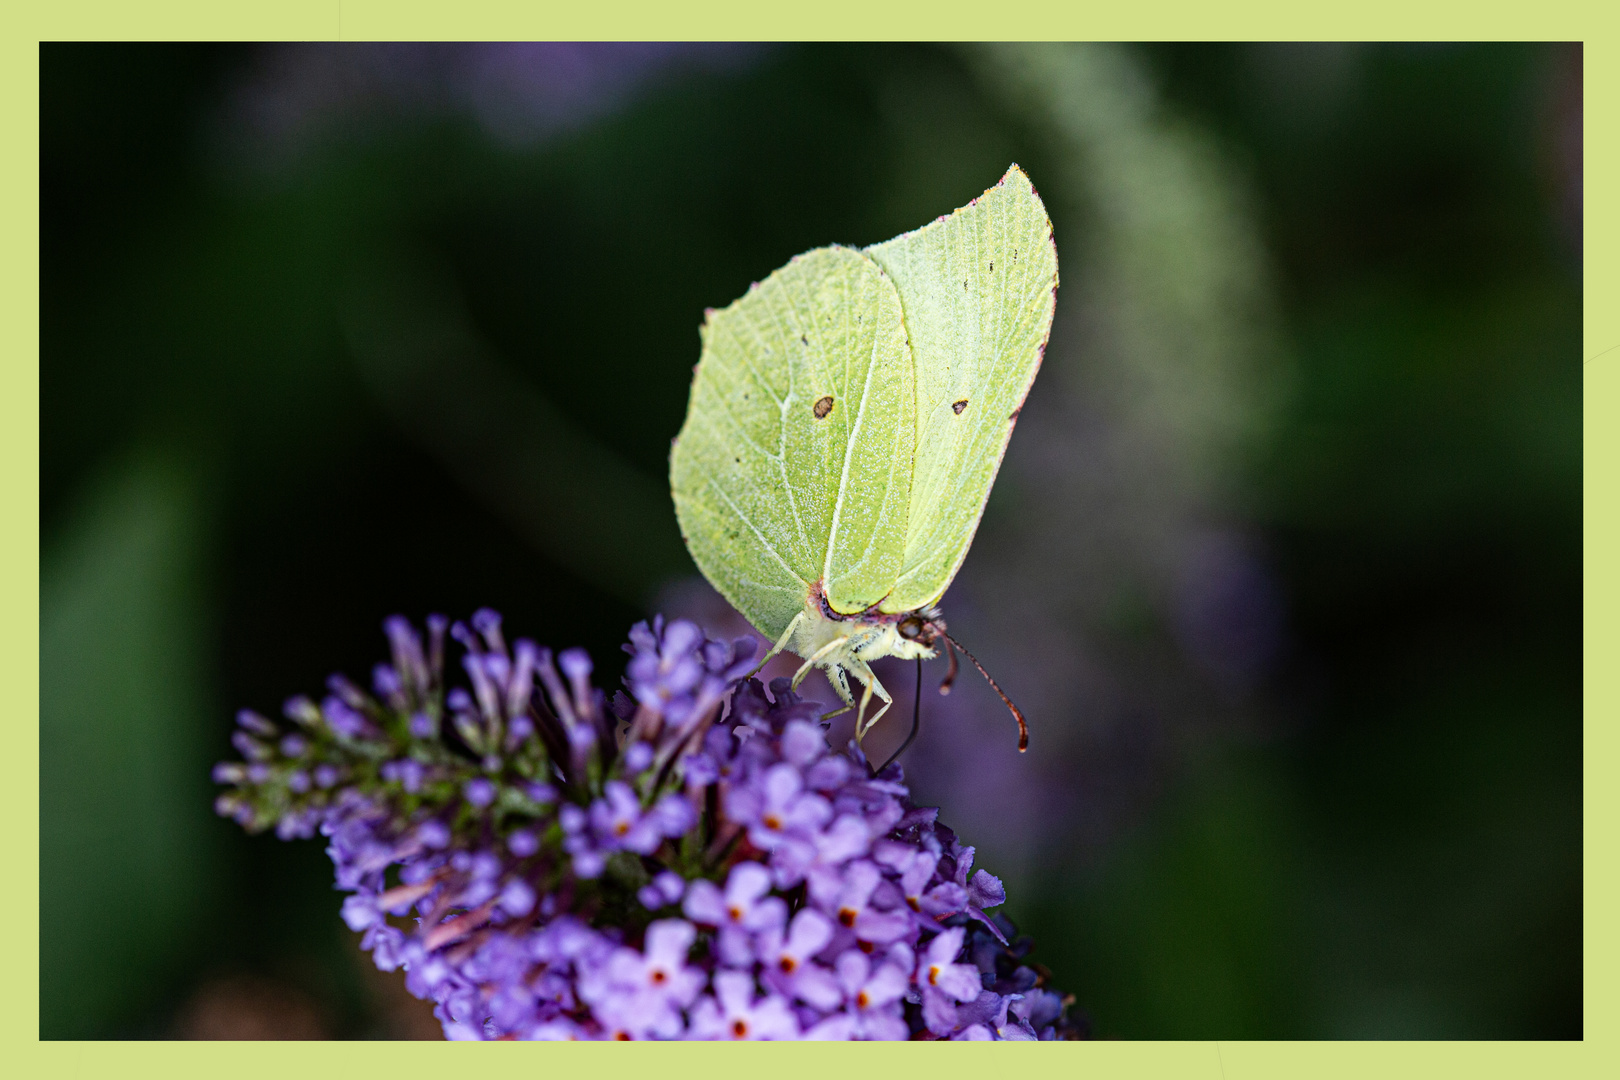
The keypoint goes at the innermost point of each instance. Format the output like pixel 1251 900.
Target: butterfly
pixel 847 419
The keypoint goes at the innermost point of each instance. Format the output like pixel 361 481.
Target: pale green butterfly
pixel 847 419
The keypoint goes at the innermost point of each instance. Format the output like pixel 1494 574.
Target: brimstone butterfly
pixel 847 419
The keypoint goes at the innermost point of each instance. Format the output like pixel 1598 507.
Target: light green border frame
pixel 114 20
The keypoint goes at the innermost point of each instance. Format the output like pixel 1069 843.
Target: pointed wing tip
pixel 1016 178
pixel 1015 173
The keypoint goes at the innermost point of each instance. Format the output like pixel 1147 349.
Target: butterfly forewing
pixel 978 288
pixel 794 463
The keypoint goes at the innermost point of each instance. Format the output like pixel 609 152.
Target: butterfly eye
pixel 910 628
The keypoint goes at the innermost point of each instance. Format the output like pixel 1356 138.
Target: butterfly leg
pixel 865 674
pixel 916 718
pixel 840 683
pixel 781 643
pixel 815 658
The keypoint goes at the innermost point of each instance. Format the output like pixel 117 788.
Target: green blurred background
pixel 1283 563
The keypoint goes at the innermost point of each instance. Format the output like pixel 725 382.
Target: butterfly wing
pixel 978 288
pixel 794 464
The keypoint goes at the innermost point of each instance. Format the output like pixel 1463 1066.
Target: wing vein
pixel 746 520
pixel 783 406
pixel 849 456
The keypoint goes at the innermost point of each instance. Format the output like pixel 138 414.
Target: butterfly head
pixel 923 627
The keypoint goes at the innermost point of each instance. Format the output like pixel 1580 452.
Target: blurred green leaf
pixel 124 798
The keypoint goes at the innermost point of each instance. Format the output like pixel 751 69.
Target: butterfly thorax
pixel 832 638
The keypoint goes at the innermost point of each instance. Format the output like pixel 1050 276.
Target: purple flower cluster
pixel 689 860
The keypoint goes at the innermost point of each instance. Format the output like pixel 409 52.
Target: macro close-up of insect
pixel 846 424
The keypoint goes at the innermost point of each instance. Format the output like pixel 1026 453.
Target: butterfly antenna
pixel 950 675
pixel 916 720
pixel 1023 728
